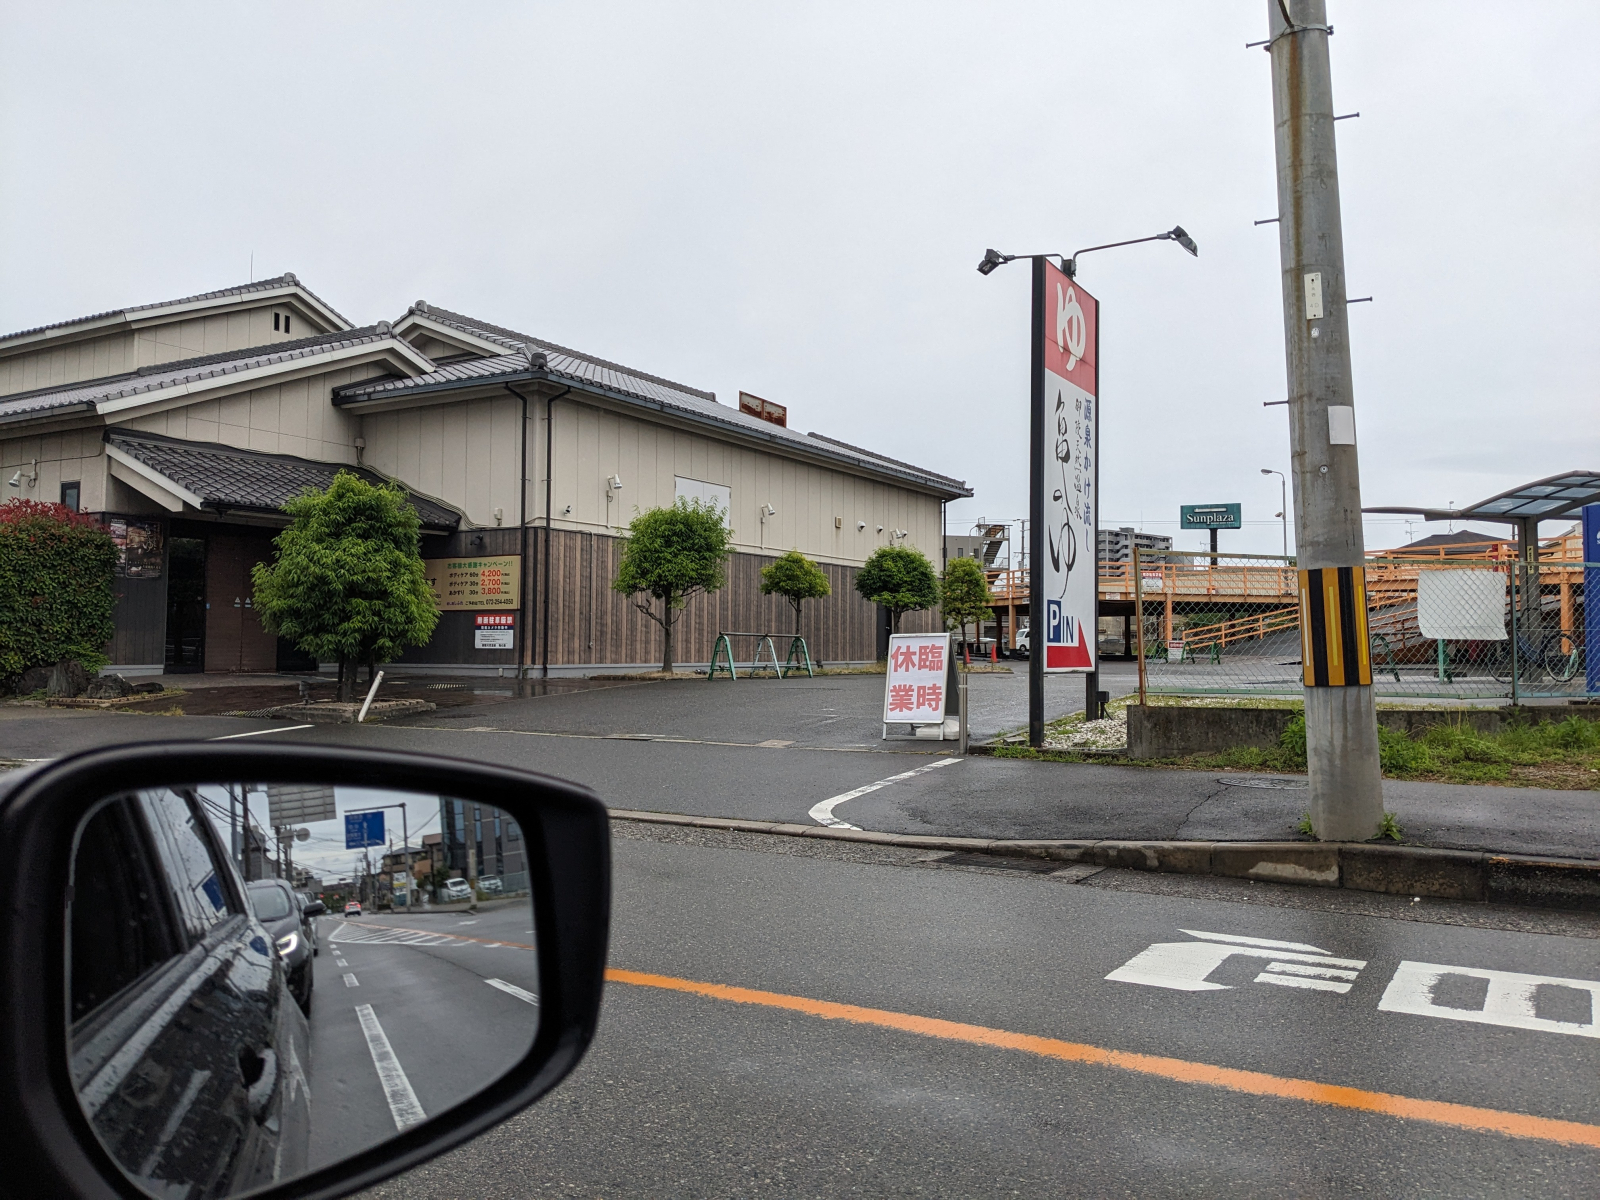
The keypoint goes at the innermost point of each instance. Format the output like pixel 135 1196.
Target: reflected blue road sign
pixel 363 829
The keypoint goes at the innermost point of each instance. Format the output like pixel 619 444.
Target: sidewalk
pixel 1020 799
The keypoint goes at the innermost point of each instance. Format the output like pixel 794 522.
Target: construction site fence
pixel 1479 628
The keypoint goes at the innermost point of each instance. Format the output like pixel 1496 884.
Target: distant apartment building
pixel 1116 545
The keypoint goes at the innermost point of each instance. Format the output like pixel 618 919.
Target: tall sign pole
pixel 1036 536
pixel 1341 719
pixel 1063 601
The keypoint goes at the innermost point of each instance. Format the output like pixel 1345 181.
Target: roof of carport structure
pixel 530 355
pixel 1543 500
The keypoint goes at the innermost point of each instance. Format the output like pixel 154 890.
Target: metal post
pixel 1341 722
pixel 244 803
pixel 1138 604
pixel 1213 547
pixel 961 695
pixel 1036 531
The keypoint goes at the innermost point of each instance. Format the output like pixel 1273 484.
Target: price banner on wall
pixel 915 683
pixel 463 583
pixel 1070 445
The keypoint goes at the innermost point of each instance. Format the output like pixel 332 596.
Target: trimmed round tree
pixel 669 555
pixel 56 594
pixel 797 579
pixel 964 594
pixel 901 579
pixel 347 582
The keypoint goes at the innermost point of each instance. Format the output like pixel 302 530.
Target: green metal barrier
pixel 722 660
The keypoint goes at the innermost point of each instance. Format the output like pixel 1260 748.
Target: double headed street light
pixel 993 258
pixel 1069 621
pixel 1283 498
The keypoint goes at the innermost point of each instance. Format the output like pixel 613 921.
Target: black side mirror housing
pixel 52 1147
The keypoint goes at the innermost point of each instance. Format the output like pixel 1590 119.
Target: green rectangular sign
pixel 1211 516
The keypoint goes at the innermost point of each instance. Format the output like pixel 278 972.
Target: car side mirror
pixel 167 1020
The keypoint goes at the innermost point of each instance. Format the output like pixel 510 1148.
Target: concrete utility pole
pixel 1341 719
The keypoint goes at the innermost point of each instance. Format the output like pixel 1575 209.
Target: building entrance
pixel 186 605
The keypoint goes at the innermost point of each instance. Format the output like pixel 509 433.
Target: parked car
pixel 310 909
pixel 175 977
pixel 491 885
pixel 457 889
pixel 278 909
pixel 353 909
pixel 1020 650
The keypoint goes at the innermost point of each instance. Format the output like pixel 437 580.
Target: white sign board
pixel 492 639
pixel 1070 442
pixel 914 685
pixel 299 804
pixel 1468 604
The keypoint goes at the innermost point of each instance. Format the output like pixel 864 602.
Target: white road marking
pixel 1184 966
pixel 350 981
pixel 403 1104
pixel 822 813
pixel 474 921
pixel 1510 999
pixel 339 962
pixel 512 989
pixel 228 737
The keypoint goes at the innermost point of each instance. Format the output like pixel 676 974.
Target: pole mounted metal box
pixel 1314 296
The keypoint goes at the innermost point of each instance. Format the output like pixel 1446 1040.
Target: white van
pixel 457 889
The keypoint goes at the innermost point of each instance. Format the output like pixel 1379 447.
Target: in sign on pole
pixel 914 688
pixel 1070 446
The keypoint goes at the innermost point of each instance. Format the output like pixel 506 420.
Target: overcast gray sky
pixel 791 200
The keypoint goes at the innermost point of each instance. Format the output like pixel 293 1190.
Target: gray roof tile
pixel 243 289
pixel 226 477
pixel 162 375
pixel 581 368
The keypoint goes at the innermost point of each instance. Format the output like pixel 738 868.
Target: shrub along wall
pixel 56 596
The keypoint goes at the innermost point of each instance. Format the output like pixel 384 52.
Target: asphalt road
pixel 1113 1088
pixel 776 750
pixel 410 1015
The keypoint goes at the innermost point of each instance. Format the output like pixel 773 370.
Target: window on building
pixel 70 495
pixel 275 320
pixel 719 494
pixel 286 322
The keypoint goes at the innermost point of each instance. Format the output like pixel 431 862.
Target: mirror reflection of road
pixel 411 1014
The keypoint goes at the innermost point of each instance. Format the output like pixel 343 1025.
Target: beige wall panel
pixel 73 455
pixel 94 358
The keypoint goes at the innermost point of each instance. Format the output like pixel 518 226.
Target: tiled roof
pixel 226 477
pixel 561 362
pixel 90 392
pixel 287 279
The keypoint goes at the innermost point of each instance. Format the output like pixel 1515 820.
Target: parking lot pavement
pixel 411 1015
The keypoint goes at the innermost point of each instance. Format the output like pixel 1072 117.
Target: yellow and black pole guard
pixel 1333 627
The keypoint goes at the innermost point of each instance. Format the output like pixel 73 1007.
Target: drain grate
pixel 1285 785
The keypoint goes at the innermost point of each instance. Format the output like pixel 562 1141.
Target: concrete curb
pixel 1360 866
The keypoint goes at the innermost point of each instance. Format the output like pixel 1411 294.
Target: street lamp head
pixel 991 260
pixel 1266 470
pixel 1177 234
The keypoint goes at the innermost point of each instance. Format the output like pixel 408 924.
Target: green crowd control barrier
pixel 765 658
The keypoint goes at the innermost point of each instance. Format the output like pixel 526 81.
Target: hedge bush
pixel 56 596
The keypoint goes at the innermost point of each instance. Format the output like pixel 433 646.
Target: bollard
pixel 961 692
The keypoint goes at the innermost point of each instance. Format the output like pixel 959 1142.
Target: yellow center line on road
pixel 1255 1083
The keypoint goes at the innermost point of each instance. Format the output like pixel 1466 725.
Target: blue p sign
pixel 1053 621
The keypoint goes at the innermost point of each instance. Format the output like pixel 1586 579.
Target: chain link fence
pixel 1451 629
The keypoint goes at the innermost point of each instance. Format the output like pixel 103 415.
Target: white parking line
pixel 228 737
pixel 512 989
pixel 822 813
pixel 350 981
pixel 403 1104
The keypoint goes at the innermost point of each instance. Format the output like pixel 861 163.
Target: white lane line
pixel 350 981
pixel 403 1104
pixel 512 989
pixel 175 1118
pixel 822 813
pixel 228 737
pixel 339 962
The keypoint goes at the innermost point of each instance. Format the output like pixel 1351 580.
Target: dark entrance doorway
pixel 235 640
pixel 186 605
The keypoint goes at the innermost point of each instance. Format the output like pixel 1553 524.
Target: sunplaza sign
pixel 1066 366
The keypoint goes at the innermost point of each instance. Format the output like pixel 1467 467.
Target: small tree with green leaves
pixel 964 594
pixel 899 578
pixel 797 579
pixel 671 554
pixel 347 582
